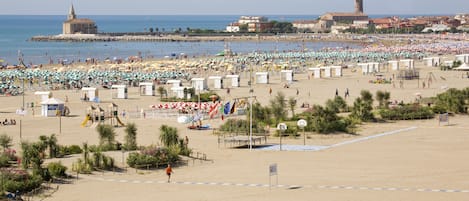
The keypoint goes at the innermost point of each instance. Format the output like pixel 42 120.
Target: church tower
pixel 358 6
pixel 71 13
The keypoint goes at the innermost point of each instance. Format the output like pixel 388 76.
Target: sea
pixel 17 30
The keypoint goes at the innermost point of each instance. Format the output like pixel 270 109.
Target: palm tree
pixel 51 143
pixel 31 155
pixel 363 106
pixel 278 107
pixel 131 137
pixel 106 134
pixel 5 141
pixel 292 104
pixel 161 90
pixel 168 135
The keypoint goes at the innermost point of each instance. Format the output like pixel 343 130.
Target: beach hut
pixel 408 63
pixel 262 78
pixel 432 61
pixel 235 80
pixel 119 91
pixel 178 91
pixel 365 68
pixel 90 94
pixel 464 58
pixel 217 81
pixel 52 107
pixel 327 71
pixel 316 72
pixel 448 63
pixel 43 95
pixel 175 83
pixel 337 70
pixel 147 89
pixel 288 76
pixel 199 84
pixel 374 67
pixel 394 65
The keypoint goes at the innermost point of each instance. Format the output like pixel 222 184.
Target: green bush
pixel 82 167
pixel 69 150
pixel 438 109
pixel 21 183
pixel 407 112
pixel 56 169
pixel 241 126
pixel 153 156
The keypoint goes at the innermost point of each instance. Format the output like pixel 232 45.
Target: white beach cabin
pixel 199 84
pixel 262 78
pixel 175 83
pixel 286 75
pixel 365 68
pixel 178 92
pixel 432 61
pixel 43 96
pixel 217 81
pixel 464 58
pixel 408 64
pixel 394 65
pixel 337 70
pixel 52 107
pixel 90 94
pixel 147 89
pixel 316 72
pixel 119 91
pixel 375 68
pixel 235 80
pixel 327 71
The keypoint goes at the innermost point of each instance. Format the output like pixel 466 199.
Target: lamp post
pixel 281 127
pixel 251 91
pixel 302 124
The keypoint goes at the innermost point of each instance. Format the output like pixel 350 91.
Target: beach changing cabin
pixel 235 80
pixel 464 58
pixel 175 83
pixel 374 67
pixel 43 96
pixel 316 72
pixel 52 107
pixel 337 70
pixel 119 91
pixel 178 92
pixel 432 61
pixel 217 81
pixel 286 75
pixel 327 71
pixel 90 94
pixel 408 63
pixel 199 84
pixel 262 78
pixel 365 68
pixel 147 89
pixel 394 65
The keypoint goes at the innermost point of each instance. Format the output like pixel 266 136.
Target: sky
pixel 230 7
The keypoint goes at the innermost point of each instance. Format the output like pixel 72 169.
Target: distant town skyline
pixel 236 7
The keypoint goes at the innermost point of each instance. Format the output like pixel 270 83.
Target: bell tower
pixel 71 13
pixel 358 6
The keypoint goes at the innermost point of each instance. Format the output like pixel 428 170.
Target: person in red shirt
pixel 169 170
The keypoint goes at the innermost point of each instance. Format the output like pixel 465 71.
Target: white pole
pixel 250 108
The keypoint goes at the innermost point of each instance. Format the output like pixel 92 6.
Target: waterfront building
pixel 74 25
pixel 252 23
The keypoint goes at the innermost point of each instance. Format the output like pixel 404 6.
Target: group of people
pixel 7 122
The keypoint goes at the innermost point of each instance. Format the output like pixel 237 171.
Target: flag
pixel 213 110
pixel 227 108
pixel 233 108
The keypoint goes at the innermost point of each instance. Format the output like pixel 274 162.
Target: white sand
pixel 403 166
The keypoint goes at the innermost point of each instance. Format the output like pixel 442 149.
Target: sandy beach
pixel 415 160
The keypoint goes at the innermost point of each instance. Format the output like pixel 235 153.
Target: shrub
pixel 69 150
pixel 21 183
pixel 407 112
pixel 241 126
pixel 153 156
pixel 56 169
pixel 80 166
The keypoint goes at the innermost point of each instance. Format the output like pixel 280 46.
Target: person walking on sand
pixel 169 170
pixel 336 92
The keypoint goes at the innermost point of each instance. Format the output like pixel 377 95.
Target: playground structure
pixel 97 115
pixel 408 74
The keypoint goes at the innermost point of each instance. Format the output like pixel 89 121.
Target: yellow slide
pixel 87 118
pixel 119 121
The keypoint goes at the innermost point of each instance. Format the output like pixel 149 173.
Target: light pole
pixel 251 91
pixel 281 127
pixel 302 124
